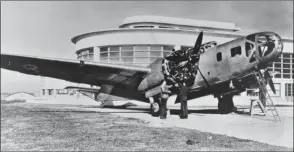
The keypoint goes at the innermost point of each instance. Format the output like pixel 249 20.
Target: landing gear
pixel 226 104
pixel 155 108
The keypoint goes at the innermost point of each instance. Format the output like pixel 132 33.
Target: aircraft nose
pixel 269 43
pixel 279 44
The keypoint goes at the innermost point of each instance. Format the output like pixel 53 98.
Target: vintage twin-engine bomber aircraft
pixel 224 71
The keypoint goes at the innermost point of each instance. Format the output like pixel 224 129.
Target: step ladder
pixel 269 101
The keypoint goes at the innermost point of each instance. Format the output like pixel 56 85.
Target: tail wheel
pixel 155 109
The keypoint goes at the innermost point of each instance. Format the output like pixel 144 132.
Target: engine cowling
pixel 206 46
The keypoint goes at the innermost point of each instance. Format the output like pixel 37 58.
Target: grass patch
pixel 30 127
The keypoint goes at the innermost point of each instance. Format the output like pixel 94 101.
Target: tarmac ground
pixel 207 119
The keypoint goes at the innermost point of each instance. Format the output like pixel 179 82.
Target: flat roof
pixel 217 33
pixel 179 21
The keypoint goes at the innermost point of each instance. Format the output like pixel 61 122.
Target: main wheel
pixel 155 109
pixel 225 104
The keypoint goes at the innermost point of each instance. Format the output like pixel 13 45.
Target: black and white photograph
pixel 147 75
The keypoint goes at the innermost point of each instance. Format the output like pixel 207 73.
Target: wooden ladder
pixel 267 96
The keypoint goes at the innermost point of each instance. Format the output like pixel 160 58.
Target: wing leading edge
pixel 88 72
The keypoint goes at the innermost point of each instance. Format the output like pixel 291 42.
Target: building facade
pixel 140 40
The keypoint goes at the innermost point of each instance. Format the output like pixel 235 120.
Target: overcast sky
pixel 45 28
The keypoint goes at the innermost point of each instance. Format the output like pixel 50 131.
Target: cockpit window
pixel 253 56
pixel 235 51
pixel 266 45
pixel 250 52
pixel 248 48
pixel 251 37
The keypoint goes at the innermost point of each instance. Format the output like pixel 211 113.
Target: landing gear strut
pixel 226 104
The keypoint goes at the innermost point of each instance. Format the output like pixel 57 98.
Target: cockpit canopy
pixel 262 44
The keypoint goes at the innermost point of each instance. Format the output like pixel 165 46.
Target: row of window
pixel 289 90
pixel 249 45
pixel 238 51
pixel 283 67
pixel 57 91
pixel 134 53
pixel 169 27
pixel 86 54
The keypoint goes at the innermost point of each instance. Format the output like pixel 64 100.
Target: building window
pixel 286 60
pixel 62 91
pixel 44 91
pixel 289 89
pixel 141 54
pixel 113 54
pixel 127 48
pixel 155 54
pixel 127 54
pixel 235 51
pixel 127 59
pixel 286 65
pixel 145 26
pixel 278 90
pixel 286 76
pixel 50 92
pixel 141 48
pixel 219 56
pixel 168 48
pixel 155 51
pixel 113 48
pixel 287 55
pixel 166 27
pixel 277 65
pixel 103 49
pixel 104 55
pixel 86 54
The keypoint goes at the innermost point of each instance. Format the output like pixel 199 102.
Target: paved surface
pixel 206 119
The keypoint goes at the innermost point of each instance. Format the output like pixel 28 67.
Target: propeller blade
pixel 203 77
pixel 269 80
pixel 198 43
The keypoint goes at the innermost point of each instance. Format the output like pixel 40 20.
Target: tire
pixel 155 111
pixel 225 105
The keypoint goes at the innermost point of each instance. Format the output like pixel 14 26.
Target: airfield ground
pixel 29 126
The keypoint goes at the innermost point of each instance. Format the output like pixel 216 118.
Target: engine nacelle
pixel 152 80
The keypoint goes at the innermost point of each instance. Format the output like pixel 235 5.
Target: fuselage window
pixel 248 48
pixel 235 51
pixel 219 56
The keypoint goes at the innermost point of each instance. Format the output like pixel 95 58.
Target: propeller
pixel 195 56
pixel 198 43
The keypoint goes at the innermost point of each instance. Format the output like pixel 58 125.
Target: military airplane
pixel 225 70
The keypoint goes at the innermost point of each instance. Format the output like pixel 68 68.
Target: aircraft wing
pixel 93 73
